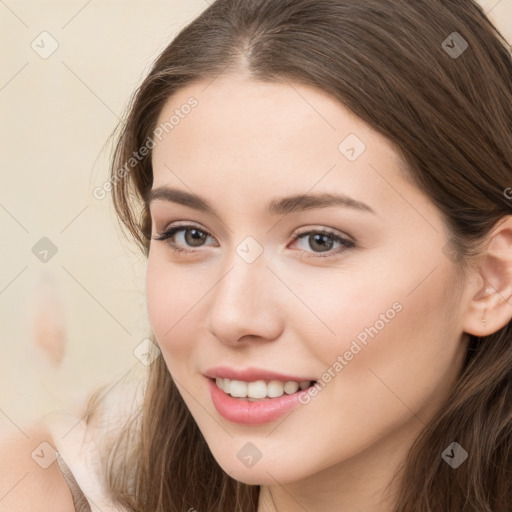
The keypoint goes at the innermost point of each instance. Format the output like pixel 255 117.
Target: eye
pixel 323 241
pixel 184 235
pixel 184 238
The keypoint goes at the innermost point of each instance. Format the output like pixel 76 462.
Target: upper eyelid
pixel 188 224
pixel 159 211
pixel 329 231
pixel 301 231
pixel 183 227
pixel 153 205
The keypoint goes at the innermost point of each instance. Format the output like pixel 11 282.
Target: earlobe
pixel 490 307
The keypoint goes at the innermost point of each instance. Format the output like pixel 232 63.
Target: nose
pixel 245 304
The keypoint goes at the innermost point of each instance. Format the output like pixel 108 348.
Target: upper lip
pixel 251 374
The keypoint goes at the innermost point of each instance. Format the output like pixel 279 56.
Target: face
pixel 251 282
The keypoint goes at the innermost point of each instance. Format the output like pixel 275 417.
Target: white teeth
pixel 275 388
pixel 259 390
pixel 291 387
pixel 238 388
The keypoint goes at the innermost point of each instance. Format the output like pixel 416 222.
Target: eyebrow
pixel 278 206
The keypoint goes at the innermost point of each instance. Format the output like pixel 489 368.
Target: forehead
pixel 263 139
pixel 236 109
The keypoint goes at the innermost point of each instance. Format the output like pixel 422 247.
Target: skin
pixel 293 310
pixel 25 485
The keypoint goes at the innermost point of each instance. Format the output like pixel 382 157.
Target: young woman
pixel 321 188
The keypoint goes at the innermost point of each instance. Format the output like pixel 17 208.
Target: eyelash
pixel 171 231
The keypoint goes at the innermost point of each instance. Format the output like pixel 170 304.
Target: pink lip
pixel 252 374
pixel 239 410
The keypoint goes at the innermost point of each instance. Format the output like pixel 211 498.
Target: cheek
pixel 342 309
pixel 386 311
pixel 407 362
pixel 401 373
pixel 172 298
pixel 387 332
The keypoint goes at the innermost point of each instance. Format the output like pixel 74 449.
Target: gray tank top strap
pixel 79 500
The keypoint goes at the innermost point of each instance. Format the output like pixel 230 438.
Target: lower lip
pixel 239 410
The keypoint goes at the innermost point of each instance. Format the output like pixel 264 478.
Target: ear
pixel 490 306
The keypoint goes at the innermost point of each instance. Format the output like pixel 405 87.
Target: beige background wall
pixel 57 112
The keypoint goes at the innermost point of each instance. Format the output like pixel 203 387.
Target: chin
pixel 265 471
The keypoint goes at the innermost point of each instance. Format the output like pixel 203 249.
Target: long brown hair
pixel 447 108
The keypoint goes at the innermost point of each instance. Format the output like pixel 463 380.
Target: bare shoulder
pixel 30 478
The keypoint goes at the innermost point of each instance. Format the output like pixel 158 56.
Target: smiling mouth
pixel 260 390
